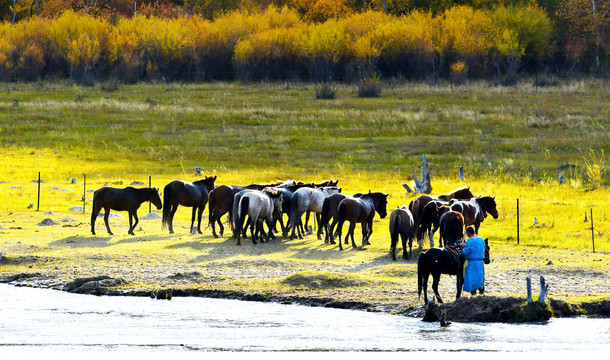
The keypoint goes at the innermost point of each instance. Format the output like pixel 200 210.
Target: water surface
pixel 48 320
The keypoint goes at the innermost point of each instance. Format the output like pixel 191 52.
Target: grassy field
pixel 511 141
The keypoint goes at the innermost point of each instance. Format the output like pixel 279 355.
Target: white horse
pixel 259 205
pixel 308 199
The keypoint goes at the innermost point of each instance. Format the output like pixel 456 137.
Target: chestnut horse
pixel 451 228
pixel 401 223
pixel 437 261
pixel 429 221
pixel 475 210
pixel 361 210
pixel 417 206
pixel 128 199
pixel 329 211
pixel 189 194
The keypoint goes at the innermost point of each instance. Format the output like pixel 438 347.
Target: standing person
pixel 474 252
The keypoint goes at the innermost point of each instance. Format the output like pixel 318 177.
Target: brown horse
pixel 329 211
pixel 221 202
pixel 189 194
pixel 417 206
pixel 451 228
pixel 128 199
pixel 401 223
pixel 429 221
pixel 361 210
pixel 437 261
pixel 475 210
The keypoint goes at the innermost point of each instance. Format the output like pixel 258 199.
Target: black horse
pixel 437 261
pixel 128 199
pixel 360 210
pixel 187 194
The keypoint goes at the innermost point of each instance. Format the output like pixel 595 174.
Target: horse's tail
pixel 167 208
pixel 395 223
pixel 325 218
pixel 244 204
pixel 420 273
pixel 294 202
pixel 211 204
pixel 341 213
pixel 415 213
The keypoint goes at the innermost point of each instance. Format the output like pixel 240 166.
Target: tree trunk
pixel 423 185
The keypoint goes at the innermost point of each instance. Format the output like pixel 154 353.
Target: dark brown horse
pixel 475 210
pixel 401 223
pixel 361 210
pixel 330 211
pixel 189 194
pixel 221 202
pixel 128 199
pixel 451 228
pixel 417 206
pixel 429 221
pixel 437 261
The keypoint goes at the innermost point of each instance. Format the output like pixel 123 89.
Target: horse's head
pixel 488 204
pixel 155 198
pixel 462 193
pixel 442 209
pixel 209 182
pixel 276 198
pixel 381 203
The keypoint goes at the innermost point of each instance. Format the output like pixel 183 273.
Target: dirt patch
pixel 323 281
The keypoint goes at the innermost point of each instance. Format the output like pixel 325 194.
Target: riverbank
pixel 297 271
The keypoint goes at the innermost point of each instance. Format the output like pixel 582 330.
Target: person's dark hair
pixel 470 230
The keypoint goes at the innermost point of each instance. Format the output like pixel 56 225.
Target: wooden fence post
pixel 517 221
pixel 149 185
pixel 84 191
pixel 592 231
pixel 38 204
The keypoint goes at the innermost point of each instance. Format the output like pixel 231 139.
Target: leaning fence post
pixel 592 231
pixel 528 280
pixel 38 204
pixel 517 221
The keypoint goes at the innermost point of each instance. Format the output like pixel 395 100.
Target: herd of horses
pixel 256 205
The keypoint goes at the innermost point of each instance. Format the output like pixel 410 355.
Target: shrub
pixel 326 91
pixel 370 87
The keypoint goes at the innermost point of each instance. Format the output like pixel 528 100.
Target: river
pixel 50 320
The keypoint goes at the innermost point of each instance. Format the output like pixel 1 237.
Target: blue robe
pixel 474 274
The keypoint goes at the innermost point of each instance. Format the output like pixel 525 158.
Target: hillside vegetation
pixel 512 142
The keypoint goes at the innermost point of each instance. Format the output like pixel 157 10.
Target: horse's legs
pixel 338 234
pixel 253 223
pixel 199 215
pixel 94 213
pixel 424 287
pixel 403 238
pixel 320 228
pixel 435 280
pixel 222 228
pixel 106 214
pixel 171 218
pixel 132 228
pixel 350 232
pixel 193 218
pixel 364 233
pixel 307 221
pixel 369 232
